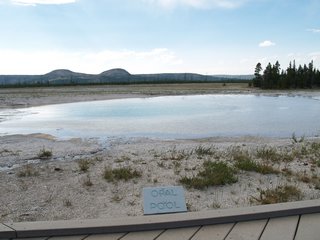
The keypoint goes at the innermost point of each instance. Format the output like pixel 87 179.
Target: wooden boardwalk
pixel 285 221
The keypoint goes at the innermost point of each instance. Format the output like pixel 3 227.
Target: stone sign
pixel 163 200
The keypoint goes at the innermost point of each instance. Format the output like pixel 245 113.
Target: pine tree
pixel 306 76
pixel 258 78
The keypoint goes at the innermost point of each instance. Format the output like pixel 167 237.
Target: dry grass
pixel 28 171
pixel 279 194
pixel 84 165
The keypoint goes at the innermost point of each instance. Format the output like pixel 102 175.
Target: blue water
pixel 171 117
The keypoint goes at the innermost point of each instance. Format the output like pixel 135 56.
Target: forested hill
pixel 113 76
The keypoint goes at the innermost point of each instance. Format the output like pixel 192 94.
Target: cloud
pixel 43 2
pixel 202 4
pixel 266 43
pixel 40 62
pixel 314 30
pixel 315 56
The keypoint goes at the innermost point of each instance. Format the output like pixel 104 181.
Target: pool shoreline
pixel 55 188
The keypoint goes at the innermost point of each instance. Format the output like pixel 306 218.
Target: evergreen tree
pixel 306 76
pixel 258 78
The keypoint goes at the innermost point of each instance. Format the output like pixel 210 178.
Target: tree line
pixel 272 77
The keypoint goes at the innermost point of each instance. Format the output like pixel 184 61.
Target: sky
pixel 157 36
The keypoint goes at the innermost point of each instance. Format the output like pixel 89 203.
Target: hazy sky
pixel 151 36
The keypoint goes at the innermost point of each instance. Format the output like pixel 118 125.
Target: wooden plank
pixel 213 232
pixel 42 238
pixel 309 227
pixel 111 236
pixel 166 221
pixel 280 228
pixel 6 232
pixel 78 237
pixel 178 234
pixel 145 235
pixel 247 230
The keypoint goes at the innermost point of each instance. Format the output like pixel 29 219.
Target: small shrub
pixel 87 182
pixel 161 164
pixel 28 171
pixel 240 155
pixel 286 157
pixel 175 154
pixel 125 173
pixel 122 159
pixel 245 163
pixel 279 194
pixel 267 169
pixel 44 154
pixel 178 155
pixel 303 177
pixel 107 174
pixel 296 140
pixel 287 171
pixel 317 184
pixel 216 205
pixel 84 165
pixel 315 147
pixel 203 151
pixel 67 202
pixel 268 154
pixel 214 173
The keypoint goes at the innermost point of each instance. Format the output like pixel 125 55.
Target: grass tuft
pixel 67 202
pixel 28 171
pixel 87 182
pixel 268 154
pixel 44 154
pixel 279 194
pixel 245 163
pixel 214 173
pixel 124 173
pixel 84 165
pixel 203 151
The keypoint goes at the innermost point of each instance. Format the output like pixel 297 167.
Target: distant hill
pixel 113 76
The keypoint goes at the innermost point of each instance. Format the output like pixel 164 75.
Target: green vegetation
pixel 175 155
pixel 44 154
pixel 295 139
pixel 277 195
pixel 292 78
pixel 203 151
pixel 213 174
pixel 245 163
pixel 124 173
pixel 178 155
pixel 268 154
pixel 84 165
pixel 315 148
